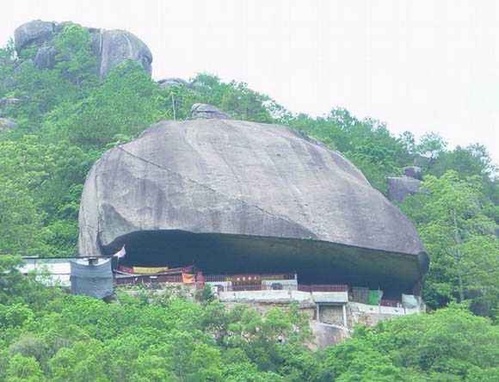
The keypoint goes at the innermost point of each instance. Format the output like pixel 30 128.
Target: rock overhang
pixel 314 261
pixel 248 185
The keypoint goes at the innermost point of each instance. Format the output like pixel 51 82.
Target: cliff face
pixel 111 47
pixel 242 180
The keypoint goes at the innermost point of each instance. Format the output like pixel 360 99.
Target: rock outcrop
pixel 111 47
pixel 413 172
pixel 227 188
pixel 169 82
pixel 7 124
pixel 35 32
pixel 118 46
pixel 205 111
pixel 400 187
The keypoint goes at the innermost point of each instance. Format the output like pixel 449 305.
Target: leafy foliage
pixel 456 231
pixel 151 336
pixel 368 143
pixel 162 338
pixel 448 345
pixel 124 104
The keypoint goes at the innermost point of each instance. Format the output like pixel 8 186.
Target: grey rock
pixel 111 47
pixel 255 197
pixel 205 111
pixel 45 57
pixel 118 46
pixel 401 187
pixel 7 124
pixel 167 82
pixel 96 42
pixel 9 101
pixel 326 335
pixel 413 172
pixel 36 31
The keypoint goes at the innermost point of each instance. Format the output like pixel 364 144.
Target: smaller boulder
pixel 117 46
pixel 167 82
pixel 8 101
pixel 205 111
pixel 7 124
pixel 36 31
pixel 45 57
pixel 401 187
pixel 413 172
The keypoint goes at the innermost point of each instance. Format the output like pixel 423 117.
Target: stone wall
pixel 331 314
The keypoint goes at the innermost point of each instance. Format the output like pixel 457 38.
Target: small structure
pixel 51 272
pixel 92 277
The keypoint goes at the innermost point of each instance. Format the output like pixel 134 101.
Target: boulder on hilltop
pixel 206 111
pixel 111 47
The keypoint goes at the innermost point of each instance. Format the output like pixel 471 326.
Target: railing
pixel 391 303
pixel 177 278
pixel 266 277
pixel 216 278
pixel 323 288
pixel 240 288
pixel 285 276
pixel 134 280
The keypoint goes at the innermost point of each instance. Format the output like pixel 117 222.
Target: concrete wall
pixel 370 315
pixel 330 297
pixel 378 309
pixel 49 271
pixel 266 296
pixel 331 314
pixel 266 284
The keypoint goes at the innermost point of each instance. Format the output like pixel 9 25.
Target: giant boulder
pixel 233 196
pixel 33 32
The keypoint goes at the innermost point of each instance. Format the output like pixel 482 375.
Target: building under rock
pixel 235 197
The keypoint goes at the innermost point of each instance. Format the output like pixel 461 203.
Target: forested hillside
pixel 48 335
pixel 54 123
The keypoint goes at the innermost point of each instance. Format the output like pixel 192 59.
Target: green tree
pixel 7 66
pixel 75 61
pixel 41 90
pixel 236 99
pixel 367 143
pixel 460 240
pixel 448 345
pixel 123 105
pixel 23 368
pixel 11 280
pixel 40 189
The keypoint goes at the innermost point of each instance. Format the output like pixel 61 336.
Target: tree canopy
pixel 47 335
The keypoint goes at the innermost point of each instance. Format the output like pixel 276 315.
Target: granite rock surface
pixel 218 176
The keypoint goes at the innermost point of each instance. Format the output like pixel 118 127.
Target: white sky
pixel 417 65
